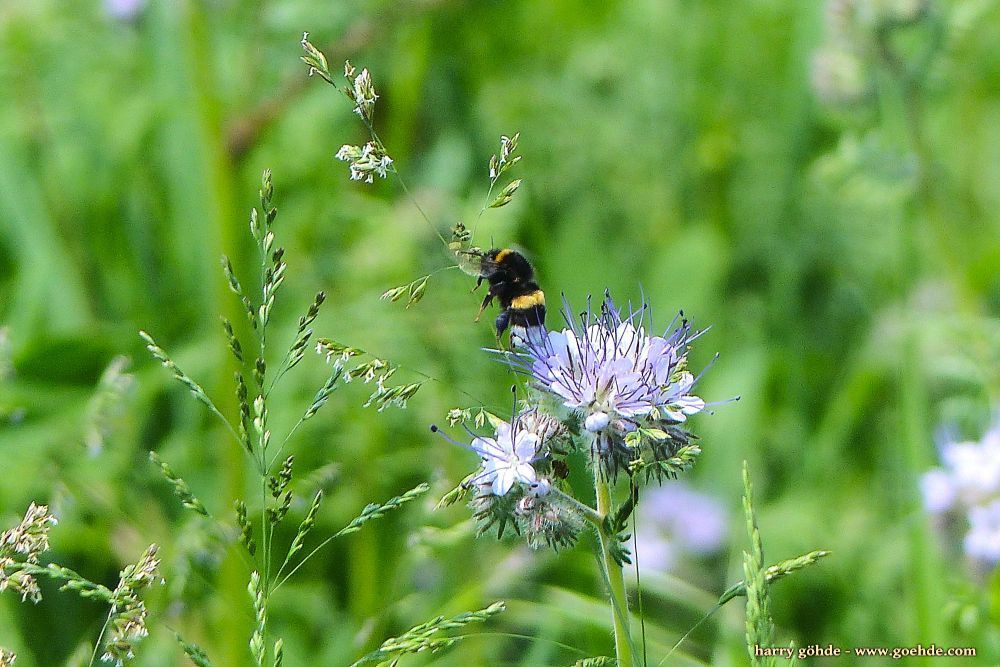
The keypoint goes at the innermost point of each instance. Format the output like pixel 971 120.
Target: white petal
pixel 503 431
pixel 486 447
pixel 556 347
pixel 691 405
pixel 525 473
pixel 674 415
pixel 504 480
pixel 526 445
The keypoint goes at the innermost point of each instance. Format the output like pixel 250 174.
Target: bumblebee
pixel 512 282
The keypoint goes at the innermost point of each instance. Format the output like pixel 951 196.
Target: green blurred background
pixel 819 183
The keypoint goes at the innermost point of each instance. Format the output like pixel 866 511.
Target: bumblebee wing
pixel 470 260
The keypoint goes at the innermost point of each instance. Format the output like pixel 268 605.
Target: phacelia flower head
pixel 518 483
pixel 968 483
pixel 606 367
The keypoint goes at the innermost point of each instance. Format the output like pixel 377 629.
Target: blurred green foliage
pixel 845 251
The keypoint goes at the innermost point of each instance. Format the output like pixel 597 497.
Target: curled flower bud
pixel 546 521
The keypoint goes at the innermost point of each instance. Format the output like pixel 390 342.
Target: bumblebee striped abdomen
pixel 527 310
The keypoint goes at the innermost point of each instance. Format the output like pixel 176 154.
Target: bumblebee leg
pixel 487 301
pixel 503 321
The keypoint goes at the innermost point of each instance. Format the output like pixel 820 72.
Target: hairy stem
pixel 613 575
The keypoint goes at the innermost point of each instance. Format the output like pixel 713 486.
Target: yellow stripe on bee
pixel 503 253
pixel 536 298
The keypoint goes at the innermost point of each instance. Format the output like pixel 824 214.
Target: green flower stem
pixel 611 571
pixel 587 512
pixel 613 575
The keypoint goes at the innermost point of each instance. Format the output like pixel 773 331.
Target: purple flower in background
pixel 674 519
pixel 968 482
pixel 938 490
pixel 612 372
pixel 982 542
pixel 124 10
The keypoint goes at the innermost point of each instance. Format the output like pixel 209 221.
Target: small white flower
pixel 507 458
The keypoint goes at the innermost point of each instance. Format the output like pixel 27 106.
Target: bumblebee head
pixel 508 264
